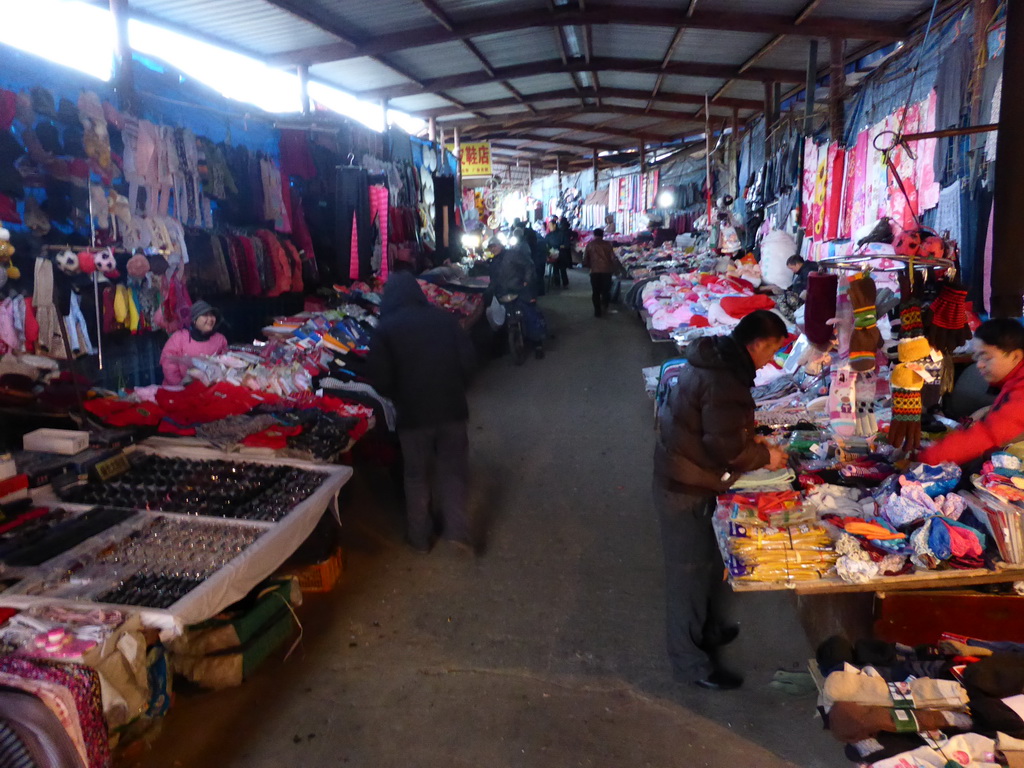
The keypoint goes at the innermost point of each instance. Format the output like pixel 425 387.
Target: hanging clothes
pixel 354 237
pixel 379 213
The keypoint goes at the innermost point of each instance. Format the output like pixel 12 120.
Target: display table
pixel 275 544
pixel 924 580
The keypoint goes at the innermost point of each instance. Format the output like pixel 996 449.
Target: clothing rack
pixel 95 293
pixel 859 262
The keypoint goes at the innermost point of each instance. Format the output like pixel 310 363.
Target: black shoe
pixel 725 636
pixel 720 680
pixel 539 353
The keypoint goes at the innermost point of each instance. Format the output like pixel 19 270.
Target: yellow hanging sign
pixel 474 158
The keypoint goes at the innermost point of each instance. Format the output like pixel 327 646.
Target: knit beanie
pixel 201 308
pixel 948 328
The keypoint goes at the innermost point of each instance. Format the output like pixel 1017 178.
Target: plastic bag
pixel 495 314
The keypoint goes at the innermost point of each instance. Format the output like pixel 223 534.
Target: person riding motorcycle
pixel 512 274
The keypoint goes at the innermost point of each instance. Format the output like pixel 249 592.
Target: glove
pixel 866 338
pixel 905 428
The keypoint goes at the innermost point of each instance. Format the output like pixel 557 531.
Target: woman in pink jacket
pixel 199 340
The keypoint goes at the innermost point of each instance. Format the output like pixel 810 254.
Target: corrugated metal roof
pixel 791 53
pixel 634 81
pixel 461 9
pixel 517 47
pixel 436 60
pixel 713 46
pixel 691 85
pixel 516 111
pixel 473 93
pixel 783 7
pixel 362 74
pixel 593 118
pixel 632 42
pixel 637 122
pixel 746 89
pixel 874 10
pixel 252 24
pixel 367 19
pixel 420 101
pixel 554 81
pixel 634 103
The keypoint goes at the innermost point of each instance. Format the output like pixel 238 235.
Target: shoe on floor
pixel 720 680
pixel 539 353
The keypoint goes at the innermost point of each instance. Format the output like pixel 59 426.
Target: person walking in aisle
pixel 560 240
pixel 705 440
pixel 599 257
pixel 422 359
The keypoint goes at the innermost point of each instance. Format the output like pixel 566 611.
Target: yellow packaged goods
pixel 795 553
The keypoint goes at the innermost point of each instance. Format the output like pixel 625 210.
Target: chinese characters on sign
pixel 475 158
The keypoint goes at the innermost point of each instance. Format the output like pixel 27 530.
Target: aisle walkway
pixel 545 652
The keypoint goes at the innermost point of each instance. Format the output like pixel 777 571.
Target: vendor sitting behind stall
pixel 999 353
pixel 198 340
pixel 800 269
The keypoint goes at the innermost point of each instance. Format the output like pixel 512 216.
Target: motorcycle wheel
pixel 516 342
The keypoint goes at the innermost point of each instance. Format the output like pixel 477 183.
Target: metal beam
pixel 621 133
pixel 598 93
pixel 836 88
pixel 664 63
pixel 606 13
pixel 600 64
pixel 544 114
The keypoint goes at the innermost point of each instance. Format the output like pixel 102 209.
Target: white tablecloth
pixel 232 582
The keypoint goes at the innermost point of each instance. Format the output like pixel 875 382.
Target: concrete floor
pixel 547 650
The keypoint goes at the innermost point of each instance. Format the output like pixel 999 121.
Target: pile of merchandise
pixel 227 415
pixel 854 521
pixel 950 703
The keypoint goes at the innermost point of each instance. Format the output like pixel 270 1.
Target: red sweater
pixel 1003 424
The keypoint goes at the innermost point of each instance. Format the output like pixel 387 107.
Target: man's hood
pixel 722 352
pixel 401 291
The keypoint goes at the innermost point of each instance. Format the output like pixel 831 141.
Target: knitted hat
pixel 912 349
pixel 201 308
pixel 948 328
pixel 904 377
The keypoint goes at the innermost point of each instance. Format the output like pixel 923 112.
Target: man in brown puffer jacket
pixel 705 440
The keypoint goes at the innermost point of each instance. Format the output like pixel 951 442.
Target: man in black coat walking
pixel 705 440
pixel 422 359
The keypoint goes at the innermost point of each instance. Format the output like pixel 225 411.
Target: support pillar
pixel 124 78
pixel 643 156
pixel 303 71
pixel 595 169
pixel 810 86
pixel 1008 199
pixel 558 170
pixel 384 114
pixel 432 129
pixel 836 88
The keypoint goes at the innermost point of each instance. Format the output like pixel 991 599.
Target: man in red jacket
pixel 999 352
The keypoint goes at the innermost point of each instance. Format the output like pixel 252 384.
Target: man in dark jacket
pixel 705 440
pixel 422 359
